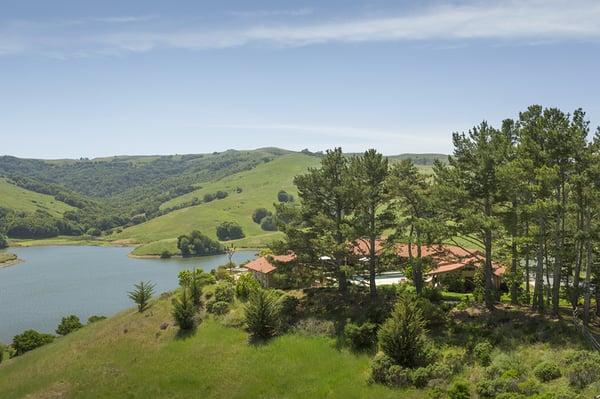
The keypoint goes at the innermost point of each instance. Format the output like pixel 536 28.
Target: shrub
pixel 198 244
pixel 2 350
pixel 219 307
pixel 29 340
pixel 259 214
pixel 244 285
pixel 224 292
pixel 402 336
pixel 360 337
pixel 209 197
pixel 229 231
pixel 141 294
pixel 313 327
pixel 454 358
pixel 459 390
pixel 94 232
pixel 269 223
pixel 583 374
pixel 288 308
pixel 262 314
pixel 234 318
pixel 283 196
pixel 221 194
pixel 482 352
pixel 3 241
pixel 529 387
pixel 380 366
pixel 184 311
pixel 165 254
pixel 95 318
pixel 68 324
pixel 397 377
pixel 547 371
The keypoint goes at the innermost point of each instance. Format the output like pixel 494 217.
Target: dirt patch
pixel 59 390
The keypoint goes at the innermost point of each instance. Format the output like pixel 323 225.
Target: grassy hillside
pixel 130 356
pixel 259 189
pixel 22 200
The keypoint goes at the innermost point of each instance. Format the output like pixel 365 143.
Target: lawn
pixel 259 188
pixel 19 199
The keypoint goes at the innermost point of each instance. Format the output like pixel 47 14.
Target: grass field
pixel 129 356
pixel 259 189
pixel 19 199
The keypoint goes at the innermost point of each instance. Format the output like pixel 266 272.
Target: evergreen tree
pixel 141 294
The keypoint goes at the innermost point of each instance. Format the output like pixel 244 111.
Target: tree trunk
pixel 372 257
pixel 557 256
pixel 487 268
pixel 514 289
pixel 538 291
pixel 588 267
pixel 418 267
pixel 527 274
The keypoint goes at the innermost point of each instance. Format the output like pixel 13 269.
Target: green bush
pixel 3 241
pixel 68 325
pixel 313 327
pixel 165 254
pixel 219 307
pixel 288 308
pixel 29 340
pixel 229 231
pixel 2 350
pixel 583 374
pixel 269 223
pixel 402 336
pixel 459 390
pixel 547 371
pixel 95 318
pixel 360 337
pixel 184 311
pixel 259 214
pixel 235 318
pixel 482 352
pixel 141 294
pixel 224 292
pixel 245 284
pixel 398 377
pixel 262 314
pixel 380 366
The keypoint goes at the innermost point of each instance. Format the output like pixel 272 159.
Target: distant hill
pixel 23 200
pixel 138 198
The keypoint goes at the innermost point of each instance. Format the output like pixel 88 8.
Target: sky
pixel 100 78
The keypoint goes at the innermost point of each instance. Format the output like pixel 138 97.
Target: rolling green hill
pixel 130 356
pixel 259 188
pixel 19 199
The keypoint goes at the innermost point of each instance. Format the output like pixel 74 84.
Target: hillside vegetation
pixel 129 355
pixel 23 200
pixel 259 188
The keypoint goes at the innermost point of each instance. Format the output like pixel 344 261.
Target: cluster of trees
pixel 229 231
pixel 526 194
pixel 198 244
pixel 265 218
pixel 209 197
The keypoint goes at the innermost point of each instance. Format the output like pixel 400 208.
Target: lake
pixel 56 281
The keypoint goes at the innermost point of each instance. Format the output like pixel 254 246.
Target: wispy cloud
pixel 534 21
pixel 298 12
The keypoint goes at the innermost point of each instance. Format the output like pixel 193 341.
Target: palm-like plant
pixel 141 294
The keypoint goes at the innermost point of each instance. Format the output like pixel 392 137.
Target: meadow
pixel 22 200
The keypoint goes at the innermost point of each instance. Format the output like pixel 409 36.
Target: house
pixel 262 268
pixel 446 260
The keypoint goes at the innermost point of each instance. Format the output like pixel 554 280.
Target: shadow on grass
pixel 258 341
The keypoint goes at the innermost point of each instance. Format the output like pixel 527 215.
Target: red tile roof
pixel 264 263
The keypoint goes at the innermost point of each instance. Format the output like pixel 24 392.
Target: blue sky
pixel 98 78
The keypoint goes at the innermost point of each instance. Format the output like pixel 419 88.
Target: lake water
pixel 53 282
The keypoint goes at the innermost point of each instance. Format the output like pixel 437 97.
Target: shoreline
pixel 10 262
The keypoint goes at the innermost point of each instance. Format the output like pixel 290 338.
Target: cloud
pixel 299 12
pixel 534 21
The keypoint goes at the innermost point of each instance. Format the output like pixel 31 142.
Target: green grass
pixel 104 361
pixel 19 199
pixel 61 240
pixel 259 189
